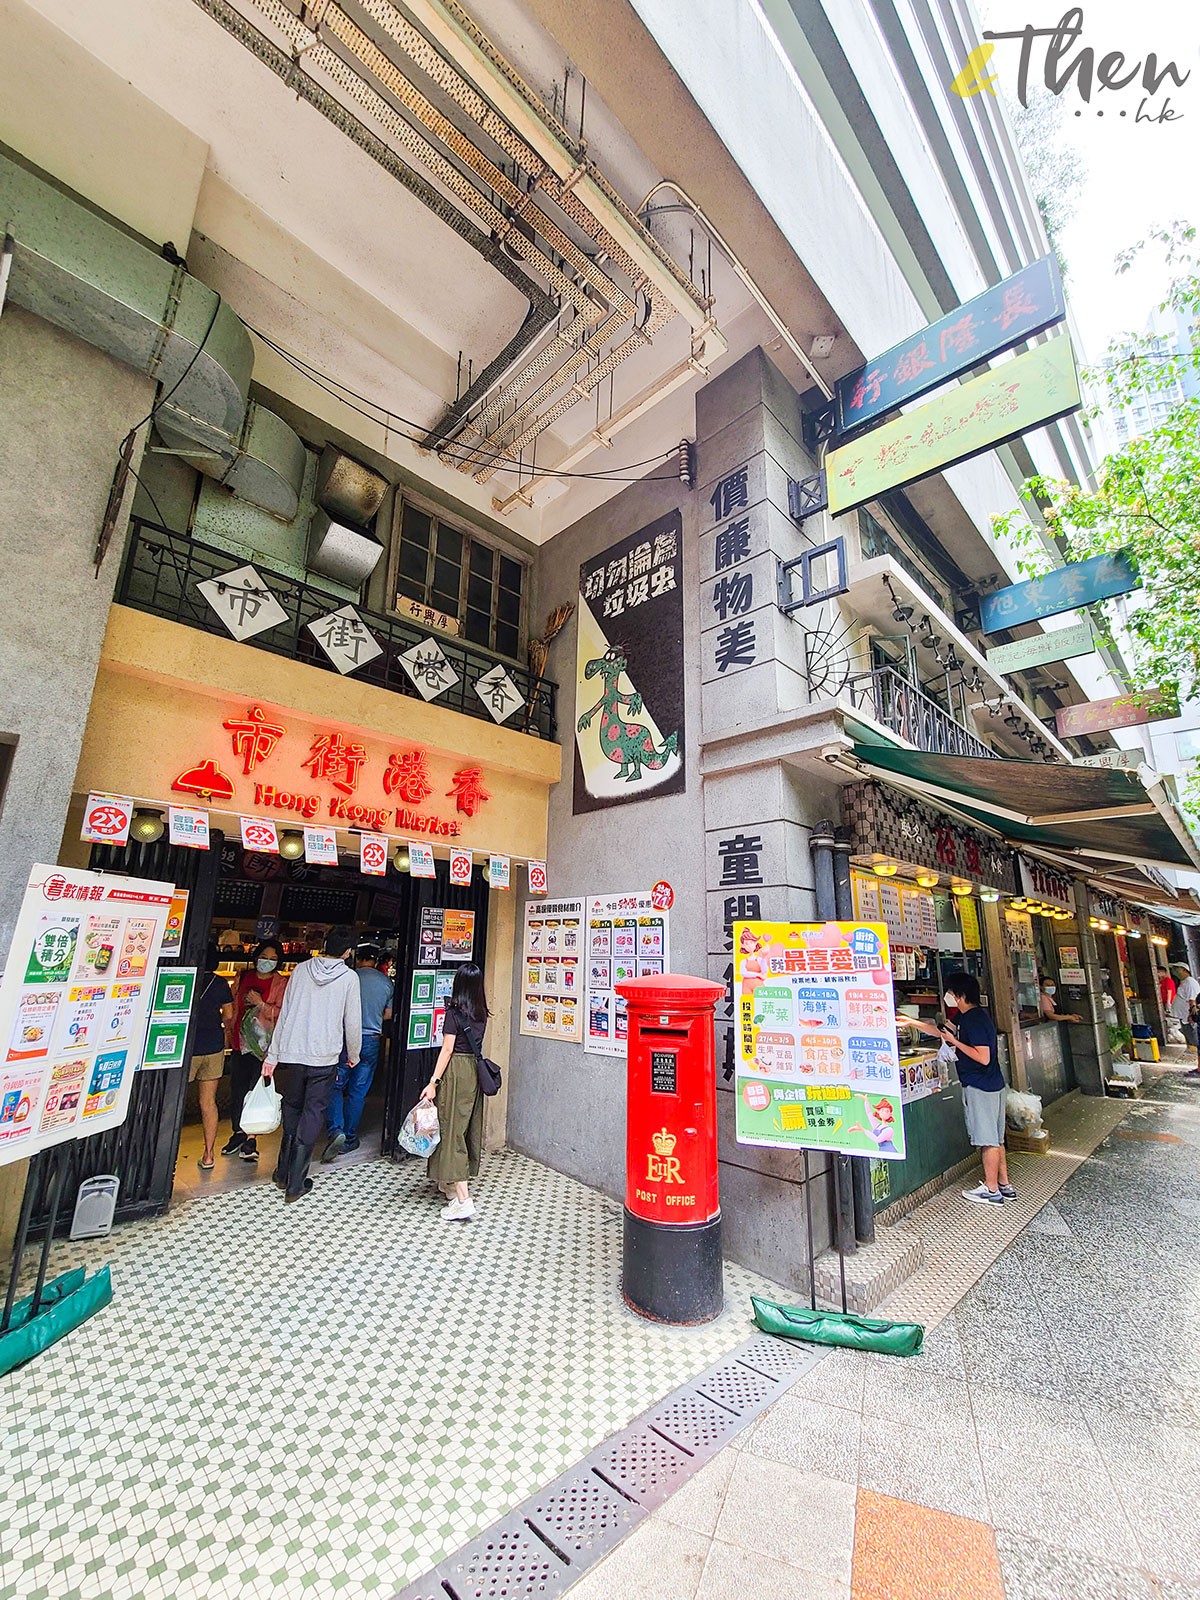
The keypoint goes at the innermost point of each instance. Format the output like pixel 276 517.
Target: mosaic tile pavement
pixel 323 1400
pixel 1044 1446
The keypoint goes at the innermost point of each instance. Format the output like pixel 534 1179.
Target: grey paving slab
pixel 915 1464
pixel 803 1433
pixel 1034 1569
pixel 810 1522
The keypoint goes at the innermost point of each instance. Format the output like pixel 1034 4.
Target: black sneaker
pixel 249 1150
pixel 235 1144
pixel 350 1144
pixel 337 1143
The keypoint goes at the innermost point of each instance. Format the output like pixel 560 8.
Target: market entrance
pixel 424 926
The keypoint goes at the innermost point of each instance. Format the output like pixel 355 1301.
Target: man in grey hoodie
pixel 322 1009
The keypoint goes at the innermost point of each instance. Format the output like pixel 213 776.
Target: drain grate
pixel 542 1548
pixel 695 1424
pixel 737 1387
pixel 510 1563
pixel 584 1517
pixel 642 1465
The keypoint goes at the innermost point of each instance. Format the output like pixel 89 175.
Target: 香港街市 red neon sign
pixel 254 738
pixel 205 779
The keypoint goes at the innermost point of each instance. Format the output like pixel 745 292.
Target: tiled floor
pixel 1044 1446
pixel 319 1400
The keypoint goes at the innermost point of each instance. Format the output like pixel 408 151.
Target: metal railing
pixel 162 569
pixel 907 711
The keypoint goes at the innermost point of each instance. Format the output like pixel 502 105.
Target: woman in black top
pixel 455 1089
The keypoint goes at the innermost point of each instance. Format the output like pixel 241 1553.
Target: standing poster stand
pixel 74 1001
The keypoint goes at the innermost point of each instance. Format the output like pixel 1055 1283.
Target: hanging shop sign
pixel 629 676
pixel 373 853
pixel 628 936
pixel 537 877
pixel 1082 583
pixel 420 860
pixel 552 970
pixel 1001 317
pixel 187 826
pixel 1115 760
pixel 884 821
pixel 320 847
pixel 1042 883
pixel 818 1062
pixel 460 867
pixel 106 819
pixel 427 615
pixel 1064 644
pixel 1122 711
pixel 259 834
pixel 499 872
pixel 170 1011
pixel 1024 393
pixel 74 1000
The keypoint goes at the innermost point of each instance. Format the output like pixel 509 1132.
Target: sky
pixel 1139 174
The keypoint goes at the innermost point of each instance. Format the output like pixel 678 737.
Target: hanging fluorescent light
pixel 989 894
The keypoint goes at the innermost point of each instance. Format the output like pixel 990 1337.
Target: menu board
pixel 73 1004
pixel 552 970
pixel 818 1065
pixel 628 936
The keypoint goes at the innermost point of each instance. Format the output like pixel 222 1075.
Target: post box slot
pixel 665 1033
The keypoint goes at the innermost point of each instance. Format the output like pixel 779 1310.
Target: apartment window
pixel 1188 745
pixel 480 588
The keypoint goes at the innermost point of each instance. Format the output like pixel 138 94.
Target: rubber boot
pixel 299 1183
pixel 280 1175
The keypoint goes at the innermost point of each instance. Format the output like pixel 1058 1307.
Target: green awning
pixel 1095 814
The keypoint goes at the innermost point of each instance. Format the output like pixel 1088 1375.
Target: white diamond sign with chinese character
pixel 320 847
pixel 243 602
pixel 373 853
pixel 428 668
pixel 420 860
pixel 499 872
pixel 188 826
pixel 345 639
pixel 106 819
pixel 259 834
pixel 499 693
pixel 460 867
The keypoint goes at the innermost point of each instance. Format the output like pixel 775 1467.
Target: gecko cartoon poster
pixel 818 1066
pixel 629 733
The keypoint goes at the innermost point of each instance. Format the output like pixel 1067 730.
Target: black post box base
pixel 673 1274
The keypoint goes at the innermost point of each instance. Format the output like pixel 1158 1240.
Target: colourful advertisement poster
pixel 140 935
pixel 53 947
pixel 124 1004
pixel 553 970
pixel 97 949
pixel 64 1094
pixel 20 1089
pixel 172 940
pixel 33 1025
pixel 458 935
pixel 626 936
pixel 83 1017
pixel 818 1064
pixel 104 1089
pixel 499 872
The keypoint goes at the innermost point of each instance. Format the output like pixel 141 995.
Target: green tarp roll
pixel 839 1328
pixel 66 1302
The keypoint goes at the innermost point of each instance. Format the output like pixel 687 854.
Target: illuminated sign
pixel 1026 392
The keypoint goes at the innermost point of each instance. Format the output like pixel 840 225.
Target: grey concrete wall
pixel 566 1107
pixel 64 409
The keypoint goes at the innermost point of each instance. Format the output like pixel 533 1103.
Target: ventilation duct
pixel 347 489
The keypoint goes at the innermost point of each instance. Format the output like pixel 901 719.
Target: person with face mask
pixel 257 1001
pixel 974 1041
pixel 1046 1004
pixel 321 1015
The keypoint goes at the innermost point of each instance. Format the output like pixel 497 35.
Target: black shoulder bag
pixel 487 1071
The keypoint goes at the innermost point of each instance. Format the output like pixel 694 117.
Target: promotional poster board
pixel 74 1001
pixel 552 970
pixel 818 1065
pixel 628 936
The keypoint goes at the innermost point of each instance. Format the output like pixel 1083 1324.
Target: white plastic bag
pixel 419 1133
pixel 263 1110
pixel 1023 1112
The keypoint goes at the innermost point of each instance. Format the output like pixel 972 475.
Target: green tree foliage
pixel 1054 166
pixel 1145 497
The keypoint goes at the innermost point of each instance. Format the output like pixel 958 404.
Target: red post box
pixel 671 1270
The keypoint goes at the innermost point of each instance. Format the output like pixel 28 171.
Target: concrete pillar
pixel 1089 1040
pixel 1003 994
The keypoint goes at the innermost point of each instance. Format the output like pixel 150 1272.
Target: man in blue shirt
pixel 973 1038
pixel 352 1084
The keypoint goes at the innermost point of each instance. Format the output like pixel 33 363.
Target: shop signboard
pixel 968 921
pixel 1005 315
pixel 320 847
pixel 552 970
pixel 1042 883
pixel 537 877
pixel 373 853
pixel 1026 392
pixel 187 826
pixel 1121 711
pixel 1116 760
pixel 260 835
pixel 74 1000
pixel 106 819
pixel 629 672
pixel 460 867
pixel 627 936
pixel 818 1064
pixel 499 872
pixel 420 860
pixel 1063 644
pixel 1081 583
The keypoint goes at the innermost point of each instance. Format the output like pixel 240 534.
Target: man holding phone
pixel 973 1039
